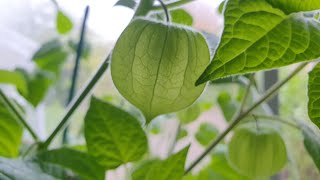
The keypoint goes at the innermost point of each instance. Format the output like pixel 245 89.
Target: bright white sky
pixel 106 20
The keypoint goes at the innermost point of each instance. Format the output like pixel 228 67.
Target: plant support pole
pixel 18 115
pixel 76 67
pixel 241 116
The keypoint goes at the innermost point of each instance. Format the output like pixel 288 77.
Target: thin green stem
pixel 246 94
pixel 175 140
pixel 55 3
pixel 165 9
pixel 171 5
pixel 18 115
pixel 244 114
pixel 276 119
pixel 77 101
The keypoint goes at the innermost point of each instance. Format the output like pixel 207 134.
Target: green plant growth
pixel 161 65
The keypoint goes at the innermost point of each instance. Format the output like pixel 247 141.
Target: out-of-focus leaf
pixel 171 168
pixel 10 132
pixel 180 16
pixel 127 3
pixel 206 133
pixel 13 78
pixel 79 162
pixel 114 137
pixel 38 84
pixel 312 143
pixel 221 6
pixel 15 169
pixel 182 133
pixel 190 114
pixel 227 105
pixel 86 49
pixel 63 22
pixel 51 56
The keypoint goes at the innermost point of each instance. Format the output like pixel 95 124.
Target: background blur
pixel 25 25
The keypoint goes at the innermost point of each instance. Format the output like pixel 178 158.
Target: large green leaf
pixel 314 95
pixel 10 132
pixel 38 84
pixel 206 133
pixel 155 66
pixel 113 136
pixel 13 78
pixel 312 143
pixel 291 6
pixel 51 56
pixel 171 168
pixel 15 169
pixel 259 35
pixel 64 24
pixel 79 162
pixel 180 16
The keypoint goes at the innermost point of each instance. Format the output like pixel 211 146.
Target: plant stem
pixel 77 101
pixel 165 9
pixel 246 94
pixel 76 66
pixel 242 115
pixel 18 115
pixel 144 8
pixel 174 142
pixel 277 119
pixel 172 5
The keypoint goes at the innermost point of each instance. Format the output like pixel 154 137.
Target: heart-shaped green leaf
pixel 113 136
pixel 155 66
pixel 64 24
pixel 260 35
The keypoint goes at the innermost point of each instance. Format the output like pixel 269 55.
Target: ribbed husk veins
pixel 155 66
pixel 257 152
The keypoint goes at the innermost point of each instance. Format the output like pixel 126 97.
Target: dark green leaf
pixel 206 133
pixel 190 114
pixel 51 56
pixel 171 168
pixel 312 143
pixel 180 16
pixel 258 36
pixel 182 133
pixel 79 162
pixel 155 65
pixel 227 105
pixel 292 6
pixel 14 78
pixel 113 136
pixel 314 95
pixel 127 3
pixel 15 169
pixel 64 24
pixel 221 6
pixel 10 132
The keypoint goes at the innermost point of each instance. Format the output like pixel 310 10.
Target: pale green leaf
pixel 51 56
pixel 182 134
pixel 64 24
pixel 126 3
pixel 38 84
pixel 227 105
pixel 312 143
pixel 206 133
pixel 79 162
pixel 258 36
pixel 155 66
pixel 10 132
pixel 314 95
pixel 16 169
pixel 171 168
pixel 181 16
pixel 114 137
pixel 13 78
pixel 190 114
